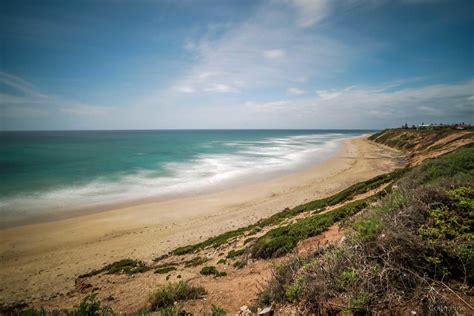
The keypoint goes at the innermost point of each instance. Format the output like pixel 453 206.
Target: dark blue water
pixel 45 171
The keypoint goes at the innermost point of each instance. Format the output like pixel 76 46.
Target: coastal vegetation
pixel 211 270
pixel 315 206
pixel 405 240
pixel 419 140
pixel 414 244
pixel 166 296
pixel 125 266
pixel 89 306
pixel 164 269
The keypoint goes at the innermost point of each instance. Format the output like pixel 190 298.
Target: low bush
pixel 211 270
pixel 165 296
pixel 216 311
pixel 169 311
pixel 239 264
pixel 281 240
pixel 235 253
pixel 125 266
pixel 194 262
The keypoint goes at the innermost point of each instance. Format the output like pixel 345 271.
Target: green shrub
pixel 234 253
pixel 216 311
pixel 125 266
pixel 292 291
pixel 452 219
pixel 465 253
pixel 368 228
pixel 239 264
pixel 194 262
pixel 359 302
pixel 169 311
pixel 211 270
pixel 91 306
pixel 464 196
pixel 281 240
pixel 250 239
pixel 273 246
pixel 348 277
pixel 165 296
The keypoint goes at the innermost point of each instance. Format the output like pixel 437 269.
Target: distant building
pixel 460 126
pixel 430 126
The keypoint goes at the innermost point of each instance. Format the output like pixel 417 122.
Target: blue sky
pixel 235 64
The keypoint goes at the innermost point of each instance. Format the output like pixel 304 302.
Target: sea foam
pixel 249 161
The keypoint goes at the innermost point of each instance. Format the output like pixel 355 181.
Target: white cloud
pixel 379 105
pixel 274 54
pixel 296 91
pixel 266 51
pixel 184 89
pixel 220 88
pixel 328 94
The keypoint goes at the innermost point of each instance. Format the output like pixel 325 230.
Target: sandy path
pixel 41 260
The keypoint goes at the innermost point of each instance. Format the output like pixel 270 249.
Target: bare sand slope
pixel 42 260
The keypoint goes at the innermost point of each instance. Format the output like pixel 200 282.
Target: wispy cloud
pixel 310 11
pixel 21 98
pixel 380 104
pixel 268 50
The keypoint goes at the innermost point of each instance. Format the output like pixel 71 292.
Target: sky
pixel 296 64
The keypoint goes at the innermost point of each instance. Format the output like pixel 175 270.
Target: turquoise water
pixel 62 170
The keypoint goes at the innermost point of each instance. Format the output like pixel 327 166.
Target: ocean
pixel 51 171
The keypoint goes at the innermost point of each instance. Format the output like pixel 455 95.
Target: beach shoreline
pixel 43 259
pixel 75 211
pixel 207 172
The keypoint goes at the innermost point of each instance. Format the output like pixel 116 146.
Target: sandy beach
pixel 43 260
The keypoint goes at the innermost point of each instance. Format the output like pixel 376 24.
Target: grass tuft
pixel 166 296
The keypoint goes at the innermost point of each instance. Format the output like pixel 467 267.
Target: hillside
pixel 425 143
pixel 411 249
pixel 401 241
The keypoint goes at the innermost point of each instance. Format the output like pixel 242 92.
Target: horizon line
pixel 195 129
